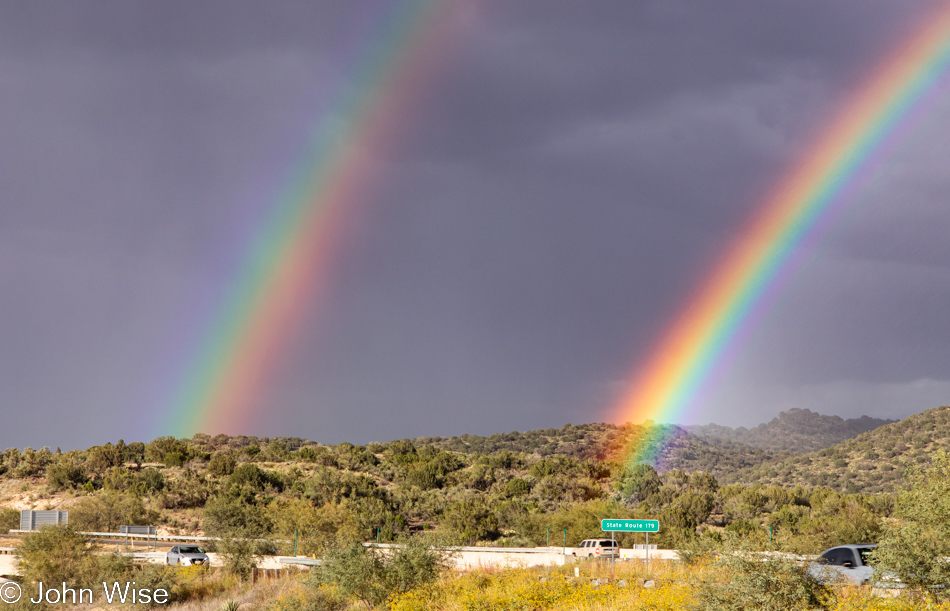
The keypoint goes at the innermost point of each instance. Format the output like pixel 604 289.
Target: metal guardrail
pixel 299 560
pixel 499 550
pixel 154 537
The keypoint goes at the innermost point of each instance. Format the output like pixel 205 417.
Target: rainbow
pixel 687 355
pixel 286 263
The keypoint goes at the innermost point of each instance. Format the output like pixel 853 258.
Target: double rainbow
pixel 285 265
pixel 685 359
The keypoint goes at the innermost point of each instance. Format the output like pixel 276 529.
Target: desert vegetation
pixel 547 487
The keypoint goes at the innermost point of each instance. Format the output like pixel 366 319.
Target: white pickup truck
pixel 846 564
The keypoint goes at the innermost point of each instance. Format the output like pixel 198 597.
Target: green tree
pixel 470 522
pixel 639 482
pixel 372 576
pixel 764 585
pixel 315 529
pixel 9 519
pixel 916 543
pixel 65 473
pixel 235 514
pixel 100 459
pixel 59 554
pixel 222 464
pixel 106 511
pixel 157 449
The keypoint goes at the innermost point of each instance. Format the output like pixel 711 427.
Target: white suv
pixel 597 548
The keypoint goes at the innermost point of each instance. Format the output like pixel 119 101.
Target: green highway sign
pixel 630 526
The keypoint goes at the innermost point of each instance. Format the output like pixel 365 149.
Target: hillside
pixel 679 449
pixel 798 431
pixel 712 448
pixel 508 489
pixel 872 462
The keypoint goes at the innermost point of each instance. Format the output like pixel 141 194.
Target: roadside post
pixel 547 540
pixel 564 549
pixel 630 526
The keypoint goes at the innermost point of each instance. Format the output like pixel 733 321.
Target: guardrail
pixel 500 550
pixel 155 537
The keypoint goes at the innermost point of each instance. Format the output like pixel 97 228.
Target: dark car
pixel 186 555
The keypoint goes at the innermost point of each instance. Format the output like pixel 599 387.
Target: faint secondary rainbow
pixel 286 262
pixel 687 355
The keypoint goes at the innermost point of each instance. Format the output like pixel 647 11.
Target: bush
pixel 222 464
pixel 174 459
pixel 65 474
pixel 314 529
pixel 240 557
pixel 105 512
pixel 59 554
pixel 470 522
pixel 517 487
pixel 158 449
pixel 235 514
pixel 152 480
pixel 916 544
pixel 9 520
pixel 370 576
pixel 763 585
pixel 251 476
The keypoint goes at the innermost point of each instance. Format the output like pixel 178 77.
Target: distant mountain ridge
pixel 797 431
pixel 715 449
pixel 872 462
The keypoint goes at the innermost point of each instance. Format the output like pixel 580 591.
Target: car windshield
pixel 190 550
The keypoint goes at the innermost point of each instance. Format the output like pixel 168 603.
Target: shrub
pixel 157 449
pixel 9 519
pixel 763 585
pixel 105 512
pixel 470 522
pixel 239 556
pixel 59 554
pixel 425 475
pixel 235 514
pixel 65 474
pixel 317 454
pixel 174 459
pixel 152 480
pixel 313 528
pixel 251 476
pixel 371 576
pixel 222 464
pixel 118 479
pixel 915 545
pixel 517 487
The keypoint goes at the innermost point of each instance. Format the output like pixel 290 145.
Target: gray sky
pixel 563 181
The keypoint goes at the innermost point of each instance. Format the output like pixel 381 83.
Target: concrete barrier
pixel 8 565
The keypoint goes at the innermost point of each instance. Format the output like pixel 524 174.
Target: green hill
pixel 875 461
pixel 679 448
pixel 798 431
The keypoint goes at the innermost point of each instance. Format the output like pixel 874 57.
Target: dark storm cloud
pixel 562 185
